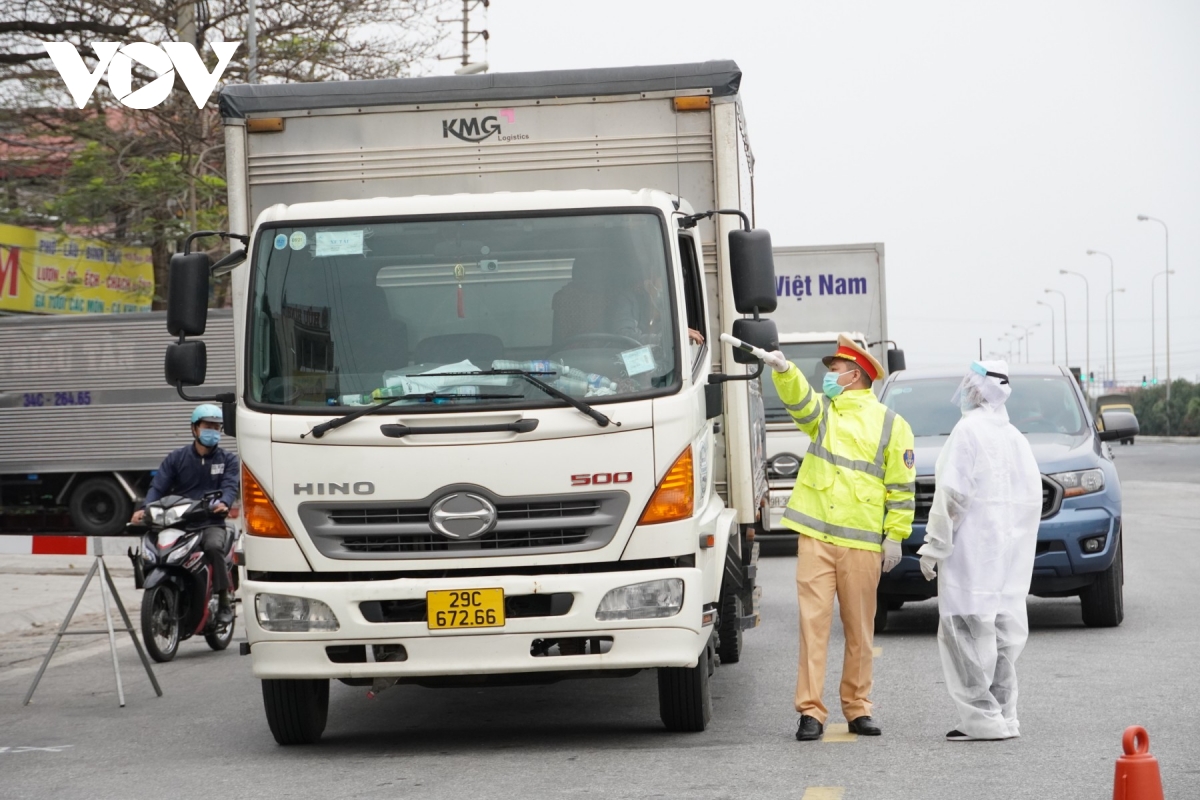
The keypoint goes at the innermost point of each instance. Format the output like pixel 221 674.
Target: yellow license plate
pixel 465 608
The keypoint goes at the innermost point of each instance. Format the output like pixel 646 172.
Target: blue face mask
pixel 208 437
pixel 830 385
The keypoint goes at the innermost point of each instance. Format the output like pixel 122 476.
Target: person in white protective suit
pixel 980 543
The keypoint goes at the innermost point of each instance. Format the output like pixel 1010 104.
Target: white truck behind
pixel 822 291
pixel 481 439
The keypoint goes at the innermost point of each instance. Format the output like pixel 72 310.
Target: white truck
pixel 822 291
pixel 488 431
pixel 81 430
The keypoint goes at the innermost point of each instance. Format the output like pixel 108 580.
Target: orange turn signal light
pixel 675 496
pixel 261 516
pixel 701 103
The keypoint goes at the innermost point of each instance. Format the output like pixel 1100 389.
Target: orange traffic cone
pixel 1137 771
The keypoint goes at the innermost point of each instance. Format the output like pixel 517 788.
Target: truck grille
pixel 556 523
pixel 1051 498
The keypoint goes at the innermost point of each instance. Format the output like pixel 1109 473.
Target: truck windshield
pixel 807 358
pixel 1037 405
pixel 348 314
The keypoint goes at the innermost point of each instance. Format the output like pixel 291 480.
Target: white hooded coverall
pixel 982 529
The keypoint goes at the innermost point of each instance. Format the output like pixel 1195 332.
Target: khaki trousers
pixel 824 570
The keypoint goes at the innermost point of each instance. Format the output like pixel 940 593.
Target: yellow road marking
pixel 823 793
pixel 839 733
pixel 876 651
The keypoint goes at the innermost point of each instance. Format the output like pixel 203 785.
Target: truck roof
pixel 720 78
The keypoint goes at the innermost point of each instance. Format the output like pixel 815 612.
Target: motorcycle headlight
pixel 156 515
pixel 283 612
pixel 173 514
pixel 1080 482
pixel 176 555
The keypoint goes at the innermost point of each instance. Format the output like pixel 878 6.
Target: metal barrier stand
pixel 106 586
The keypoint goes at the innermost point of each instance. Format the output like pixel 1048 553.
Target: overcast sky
pixel 987 145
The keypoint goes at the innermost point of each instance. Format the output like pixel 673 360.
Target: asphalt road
pixel 601 738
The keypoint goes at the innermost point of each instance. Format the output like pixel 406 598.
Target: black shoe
pixel 808 729
pixel 224 616
pixel 864 726
pixel 958 736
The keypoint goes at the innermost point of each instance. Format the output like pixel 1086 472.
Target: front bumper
pixel 675 641
pixel 1060 564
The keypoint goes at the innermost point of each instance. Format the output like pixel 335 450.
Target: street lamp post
pixel 1087 325
pixel 1153 329
pixel 1110 298
pixel 1004 339
pixel 1066 330
pixel 1053 337
pixel 1028 332
pixel 1110 336
pixel 1167 300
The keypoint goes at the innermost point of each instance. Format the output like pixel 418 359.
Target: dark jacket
pixel 185 472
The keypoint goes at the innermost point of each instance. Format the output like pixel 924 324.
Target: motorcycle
pixel 178 600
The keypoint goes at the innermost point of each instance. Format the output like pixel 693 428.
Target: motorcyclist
pixel 193 471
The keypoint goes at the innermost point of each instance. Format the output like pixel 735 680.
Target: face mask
pixel 208 437
pixel 830 385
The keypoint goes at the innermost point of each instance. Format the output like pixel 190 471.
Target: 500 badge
pixel 601 478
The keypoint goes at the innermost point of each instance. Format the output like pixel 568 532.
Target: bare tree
pixel 146 177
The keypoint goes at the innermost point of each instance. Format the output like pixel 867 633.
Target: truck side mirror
pixel 186 363
pixel 758 332
pixel 187 294
pixel 1116 425
pixel 895 360
pixel 229 418
pixel 752 268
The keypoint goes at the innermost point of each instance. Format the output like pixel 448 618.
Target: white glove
pixel 929 566
pixel 777 361
pixel 891 554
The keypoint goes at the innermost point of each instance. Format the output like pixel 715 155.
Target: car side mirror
pixel 186 363
pixel 187 294
pixel 752 271
pixel 1117 425
pixel 895 359
pixel 758 332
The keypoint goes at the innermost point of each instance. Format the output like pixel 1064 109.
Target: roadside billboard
pixel 51 273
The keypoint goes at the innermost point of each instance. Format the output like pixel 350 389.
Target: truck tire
pixel 684 698
pixel 99 507
pixel 296 709
pixel 729 634
pixel 1104 601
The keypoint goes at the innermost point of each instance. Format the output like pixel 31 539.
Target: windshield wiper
pixel 320 430
pixel 601 419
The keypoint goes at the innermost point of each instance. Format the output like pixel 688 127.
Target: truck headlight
pixel 283 612
pixel 1085 481
pixel 650 600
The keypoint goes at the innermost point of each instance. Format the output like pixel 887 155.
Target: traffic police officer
pixel 852 506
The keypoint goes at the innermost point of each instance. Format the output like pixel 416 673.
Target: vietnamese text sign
pixel 50 273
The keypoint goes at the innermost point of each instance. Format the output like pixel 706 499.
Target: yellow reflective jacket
pixel 857 480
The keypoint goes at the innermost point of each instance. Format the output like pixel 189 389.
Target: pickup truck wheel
pixel 882 604
pixel 296 709
pixel 99 507
pixel 684 699
pixel 1104 601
